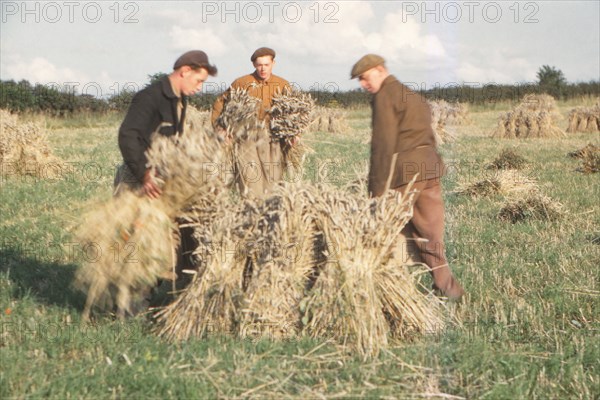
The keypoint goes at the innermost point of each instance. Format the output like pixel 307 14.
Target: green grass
pixel 529 325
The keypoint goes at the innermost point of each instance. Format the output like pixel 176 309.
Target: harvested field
pixel 504 182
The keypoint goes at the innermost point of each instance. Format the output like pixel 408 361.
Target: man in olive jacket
pixel 403 146
pixel 261 163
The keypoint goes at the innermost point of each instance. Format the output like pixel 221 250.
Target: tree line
pixel 24 96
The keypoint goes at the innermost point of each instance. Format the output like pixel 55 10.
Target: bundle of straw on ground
pixel 535 117
pixel 584 119
pixel 364 294
pixel 212 302
pixel 533 205
pixel 307 260
pixel 281 249
pixel 504 182
pixel 24 148
pixel 508 159
pixel 450 113
pixel 590 157
pixel 134 235
pixel 330 120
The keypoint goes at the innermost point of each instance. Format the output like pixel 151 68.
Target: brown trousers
pixel 259 166
pixel 428 223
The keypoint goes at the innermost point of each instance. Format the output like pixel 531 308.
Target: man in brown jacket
pixel 403 146
pixel 260 163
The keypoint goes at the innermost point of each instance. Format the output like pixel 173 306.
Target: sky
pixel 104 47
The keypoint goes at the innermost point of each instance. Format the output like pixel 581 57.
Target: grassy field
pixel 530 324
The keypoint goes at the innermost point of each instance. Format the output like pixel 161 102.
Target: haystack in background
pixel 504 182
pixel 330 120
pixel 535 117
pixel 590 158
pixel 134 235
pixel 24 149
pixel 533 205
pixel 443 114
pixel 313 261
pixel 584 119
pixel 508 159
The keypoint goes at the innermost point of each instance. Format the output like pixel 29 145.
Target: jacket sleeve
pixel 132 134
pixel 386 119
pixel 218 108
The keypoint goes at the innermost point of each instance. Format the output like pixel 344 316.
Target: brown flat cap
pixel 195 59
pixel 263 51
pixel 366 63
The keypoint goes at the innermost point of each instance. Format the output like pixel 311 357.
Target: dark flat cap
pixel 366 63
pixel 263 51
pixel 195 59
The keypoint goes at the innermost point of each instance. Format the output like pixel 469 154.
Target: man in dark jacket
pixel 403 146
pixel 159 108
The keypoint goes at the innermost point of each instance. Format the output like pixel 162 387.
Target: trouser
pixel 428 223
pixel 259 166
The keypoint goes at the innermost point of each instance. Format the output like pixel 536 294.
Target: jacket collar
pixel 167 89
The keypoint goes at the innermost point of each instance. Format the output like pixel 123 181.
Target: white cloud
pixel 184 39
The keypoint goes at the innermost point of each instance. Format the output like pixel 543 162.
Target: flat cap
pixel 366 63
pixel 195 59
pixel 263 51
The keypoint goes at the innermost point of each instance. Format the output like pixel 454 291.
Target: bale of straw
pixel 329 120
pixel 535 117
pixel 239 117
pixel 590 158
pixel 504 182
pixel 129 243
pixel 508 159
pixel 584 119
pixel 306 260
pixel 186 172
pixel 359 297
pixel 24 148
pixel 531 205
pixel 196 119
pixel 290 114
pixel 212 302
pixel 281 250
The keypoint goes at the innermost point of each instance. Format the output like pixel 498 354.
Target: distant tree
pixel 155 77
pixel 551 80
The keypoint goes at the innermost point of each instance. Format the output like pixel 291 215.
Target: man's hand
pixel 150 188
